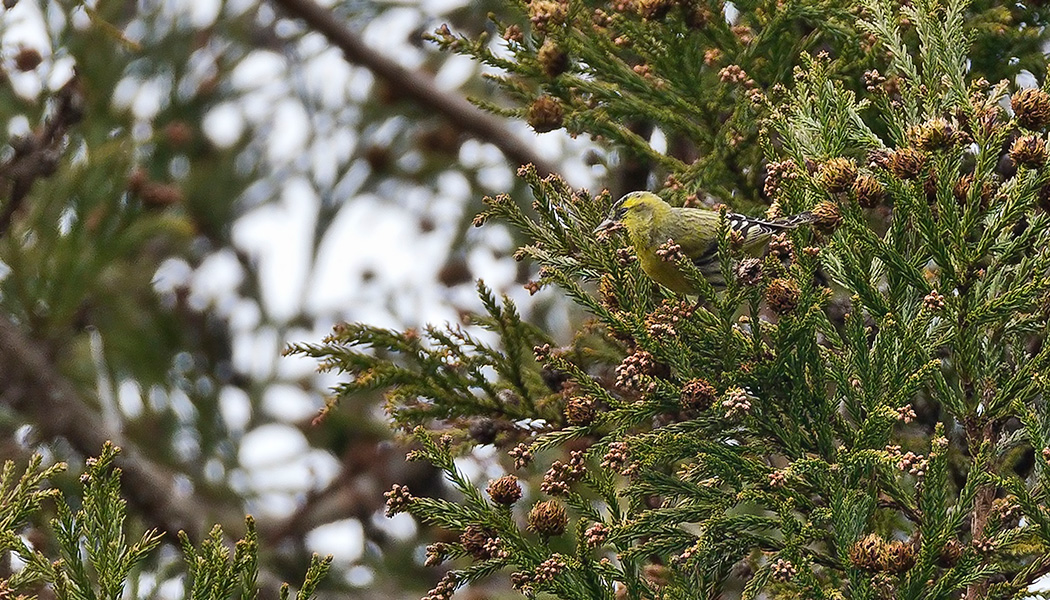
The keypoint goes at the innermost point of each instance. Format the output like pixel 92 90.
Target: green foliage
pixel 620 70
pixel 93 559
pixel 865 417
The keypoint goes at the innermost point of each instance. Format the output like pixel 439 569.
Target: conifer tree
pixel 860 414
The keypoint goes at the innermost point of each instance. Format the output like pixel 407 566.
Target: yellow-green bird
pixel 650 223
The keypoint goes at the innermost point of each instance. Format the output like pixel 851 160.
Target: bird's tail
pixel 795 220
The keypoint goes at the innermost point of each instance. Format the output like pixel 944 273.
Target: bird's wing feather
pixel 703 248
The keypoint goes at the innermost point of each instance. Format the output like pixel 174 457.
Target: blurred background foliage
pixel 188 186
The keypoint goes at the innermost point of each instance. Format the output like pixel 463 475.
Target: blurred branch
pixel 33 386
pixel 37 155
pixel 418 86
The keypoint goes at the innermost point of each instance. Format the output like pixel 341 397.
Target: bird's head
pixel 632 211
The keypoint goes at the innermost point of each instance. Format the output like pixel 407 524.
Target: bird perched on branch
pixel 651 223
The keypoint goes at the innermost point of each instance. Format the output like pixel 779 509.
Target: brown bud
pixel 547 14
pixel 782 295
pixel 552 59
pixel 697 394
pixel 1031 108
pixel 837 174
pixel 868 553
pixel 899 557
pixel 935 134
pixel 160 195
pixel 513 33
pixel 652 10
pixel 505 490
pixel 474 541
pixel 961 190
pixel 548 518
pixel 827 216
pixel 748 271
pixel 581 410
pixel 27 59
pixel 1043 197
pixel 178 133
pixel 879 158
pixel 545 114
pixel 869 191
pixel 907 163
pixel 950 553
pixel 1029 151
pixel 929 186
pixel 607 292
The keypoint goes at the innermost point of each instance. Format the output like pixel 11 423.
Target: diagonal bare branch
pixel 418 86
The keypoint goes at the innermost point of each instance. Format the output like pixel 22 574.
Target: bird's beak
pixel 606 226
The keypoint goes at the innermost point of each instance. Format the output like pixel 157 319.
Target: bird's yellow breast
pixel 643 234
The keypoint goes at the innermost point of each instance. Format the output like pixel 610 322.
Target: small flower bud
pixel 899 557
pixel 596 535
pixel 780 246
pixel 522 581
pixel 950 553
pixel 436 554
pixel 670 251
pixel 397 500
pixel 550 568
pixel 783 570
pixel 514 34
pixel 868 553
pixel 749 271
pixel 873 81
pixel 736 402
pixel 522 455
pixel 546 14
pixel 879 158
pixel 475 540
pixel 777 479
pixel 933 301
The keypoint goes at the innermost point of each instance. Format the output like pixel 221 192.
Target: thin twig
pixel 417 86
